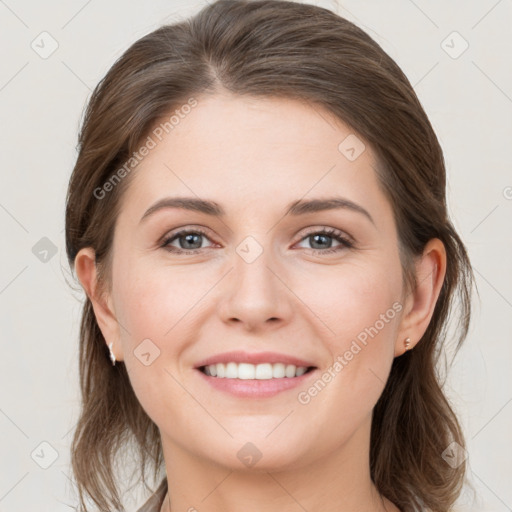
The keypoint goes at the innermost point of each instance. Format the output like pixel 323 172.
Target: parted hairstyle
pixel 273 49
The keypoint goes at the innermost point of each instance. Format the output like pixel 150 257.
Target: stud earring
pixel 112 355
pixel 407 343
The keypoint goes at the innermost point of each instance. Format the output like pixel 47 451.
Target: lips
pixel 254 375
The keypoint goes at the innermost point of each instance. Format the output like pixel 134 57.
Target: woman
pixel 258 218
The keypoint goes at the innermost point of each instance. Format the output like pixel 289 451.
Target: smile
pixel 248 371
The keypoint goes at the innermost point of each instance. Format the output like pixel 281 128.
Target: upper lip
pixel 239 356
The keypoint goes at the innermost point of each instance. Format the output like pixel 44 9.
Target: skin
pixel 254 157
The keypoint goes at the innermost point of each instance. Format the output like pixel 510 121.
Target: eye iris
pixel 193 240
pixel 189 239
pixel 314 239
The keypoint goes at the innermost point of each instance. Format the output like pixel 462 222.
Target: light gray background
pixel 468 99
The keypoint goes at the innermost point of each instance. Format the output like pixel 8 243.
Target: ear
pixel 86 271
pixel 420 303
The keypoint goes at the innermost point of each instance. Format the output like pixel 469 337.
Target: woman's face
pixel 259 281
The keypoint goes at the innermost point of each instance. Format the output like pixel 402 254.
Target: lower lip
pixel 255 388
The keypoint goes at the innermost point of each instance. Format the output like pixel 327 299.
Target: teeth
pixel 246 371
pixel 300 371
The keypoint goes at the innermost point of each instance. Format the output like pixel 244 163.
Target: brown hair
pixel 274 48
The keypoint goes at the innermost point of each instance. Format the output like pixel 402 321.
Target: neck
pixel 337 482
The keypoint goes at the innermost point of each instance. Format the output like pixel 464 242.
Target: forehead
pixel 248 150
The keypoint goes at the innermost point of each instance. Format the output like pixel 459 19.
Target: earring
pixel 407 342
pixel 112 355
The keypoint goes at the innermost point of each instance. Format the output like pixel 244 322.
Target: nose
pixel 255 294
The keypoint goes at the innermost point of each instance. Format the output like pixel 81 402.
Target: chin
pixel 259 454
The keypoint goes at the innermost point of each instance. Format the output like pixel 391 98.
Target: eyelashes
pixel 314 236
pixel 344 241
pixel 181 234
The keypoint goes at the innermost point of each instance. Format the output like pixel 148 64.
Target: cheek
pixel 153 301
pixel 359 305
pixel 353 297
pixel 153 305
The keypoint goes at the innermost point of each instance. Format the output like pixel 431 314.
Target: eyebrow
pixel 300 207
